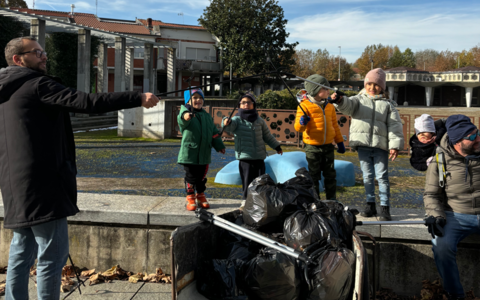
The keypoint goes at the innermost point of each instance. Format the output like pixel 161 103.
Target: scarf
pixel 247 114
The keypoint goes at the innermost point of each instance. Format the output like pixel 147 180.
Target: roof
pixel 466 69
pixel 91 20
pixel 172 25
pixel 405 69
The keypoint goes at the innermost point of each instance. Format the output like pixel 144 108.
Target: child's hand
pixel 226 121
pixel 304 120
pixel 279 150
pixel 341 147
pixel 393 154
pixel 335 98
pixel 222 151
pixel 187 116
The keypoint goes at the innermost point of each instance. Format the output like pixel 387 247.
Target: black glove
pixel 435 225
pixel 336 100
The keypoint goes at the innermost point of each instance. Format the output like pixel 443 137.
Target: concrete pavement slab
pixel 114 208
pixel 172 211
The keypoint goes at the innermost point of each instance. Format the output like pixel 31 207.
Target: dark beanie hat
pixel 251 97
pixel 313 89
pixel 458 127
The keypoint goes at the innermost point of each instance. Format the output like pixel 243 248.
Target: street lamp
pixel 340 49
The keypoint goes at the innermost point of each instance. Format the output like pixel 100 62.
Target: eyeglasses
pixel 246 102
pixel 39 53
pixel 472 137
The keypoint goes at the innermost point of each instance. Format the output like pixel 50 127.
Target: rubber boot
pixel 191 203
pixel 385 214
pixel 202 200
pixel 370 210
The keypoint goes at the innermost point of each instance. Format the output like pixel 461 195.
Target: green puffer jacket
pixel 375 123
pixel 197 138
pixel 461 191
pixel 250 138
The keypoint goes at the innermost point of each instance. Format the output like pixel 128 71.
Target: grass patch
pixel 111 135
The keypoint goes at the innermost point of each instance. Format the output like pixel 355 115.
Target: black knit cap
pixel 458 127
pixel 251 97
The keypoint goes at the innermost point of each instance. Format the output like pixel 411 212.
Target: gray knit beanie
pixel 313 89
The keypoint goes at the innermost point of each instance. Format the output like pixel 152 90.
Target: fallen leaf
pixel 135 278
pixel 159 271
pixel 3 270
pixel 96 278
pixel 88 273
pixel 2 289
pixel 67 284
pixel 167 279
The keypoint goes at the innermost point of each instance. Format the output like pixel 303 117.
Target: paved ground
pixel 121 290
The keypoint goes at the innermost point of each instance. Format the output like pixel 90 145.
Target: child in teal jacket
pixel 251 133
pixel 197 129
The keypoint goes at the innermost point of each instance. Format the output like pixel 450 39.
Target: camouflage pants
pixel 322 159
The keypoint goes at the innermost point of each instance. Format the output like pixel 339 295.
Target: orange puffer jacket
pixel 322 128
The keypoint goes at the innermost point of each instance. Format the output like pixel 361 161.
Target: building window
pixel 466 77
pixel 139 53
pixel 199 54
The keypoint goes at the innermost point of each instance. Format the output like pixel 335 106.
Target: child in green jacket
pixel 251 134
pixel 197 129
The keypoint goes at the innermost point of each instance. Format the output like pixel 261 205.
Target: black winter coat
pixel 421 152
pixel 37 149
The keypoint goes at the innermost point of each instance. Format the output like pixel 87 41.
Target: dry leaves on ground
pixel 67 284
pixel 87 273
pixel 3 270
pixel 2 288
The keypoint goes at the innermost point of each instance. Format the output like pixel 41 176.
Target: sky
pixel 325 24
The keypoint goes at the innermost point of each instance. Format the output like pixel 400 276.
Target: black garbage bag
pixel 333 276
pixel 270 204
pixel 308 226
pixel 219 280
pixel 272 275
pixel 343 222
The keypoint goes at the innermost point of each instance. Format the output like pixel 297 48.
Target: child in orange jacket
pixel 320 129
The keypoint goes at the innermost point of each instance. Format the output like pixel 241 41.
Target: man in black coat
pixel 37 163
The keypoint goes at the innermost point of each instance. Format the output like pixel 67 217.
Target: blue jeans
pixel 374 164
pixel 47 242
pixel 458 227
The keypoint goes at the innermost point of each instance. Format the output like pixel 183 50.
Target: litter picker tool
pixel 230 116
pixel 340 93
pixel 419 222
pixel 189 81
pixel 288 88
pixel 232 227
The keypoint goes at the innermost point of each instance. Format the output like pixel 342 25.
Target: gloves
pixel 336 100
pixel 341 148
pixel 304 120
pixel 435 225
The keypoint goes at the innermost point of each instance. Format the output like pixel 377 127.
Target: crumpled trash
pixel 270 204
pixel 308 226
pixel 343 222
pixel 272 275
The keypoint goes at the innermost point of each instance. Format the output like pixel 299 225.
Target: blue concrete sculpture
pixel 283 167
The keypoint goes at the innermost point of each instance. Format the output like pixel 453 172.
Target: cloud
pixel 415 29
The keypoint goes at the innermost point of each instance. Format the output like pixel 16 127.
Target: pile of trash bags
pixel 291 214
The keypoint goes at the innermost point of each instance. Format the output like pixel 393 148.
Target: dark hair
pixel 15 47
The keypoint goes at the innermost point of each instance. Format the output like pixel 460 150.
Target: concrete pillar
pixel 271 86
pixel 171 67
pixel 468 96
pixel 129 71
pixel 37 30
pixel 102 85
pixel 120 53
pixel 221 85
pixel 429 95
pixel 148 86
pixel 391 93
pixel 83 61
pixel 179 83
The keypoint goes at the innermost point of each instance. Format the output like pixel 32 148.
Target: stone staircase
pixel 93 122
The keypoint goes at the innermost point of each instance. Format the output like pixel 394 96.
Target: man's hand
pixel 226 121
pixel 222 151
pixel 435 225
pixel 334 98
pixel 149 100
pixel 393 154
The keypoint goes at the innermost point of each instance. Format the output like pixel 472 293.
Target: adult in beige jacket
pixel 455 204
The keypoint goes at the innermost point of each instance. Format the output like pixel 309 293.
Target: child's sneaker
pixel 191 204
pixel 202 200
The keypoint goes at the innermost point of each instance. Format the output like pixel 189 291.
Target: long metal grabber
pixel 205 85
pixel 288 88
pixel 230 116
pixel 189 81
pixel 232 227
pixel 419 222
pixel 340 93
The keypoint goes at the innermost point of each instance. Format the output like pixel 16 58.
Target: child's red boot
pixel 202 200
pixel 191 203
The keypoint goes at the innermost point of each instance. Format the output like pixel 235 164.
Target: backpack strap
pixel 442 172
